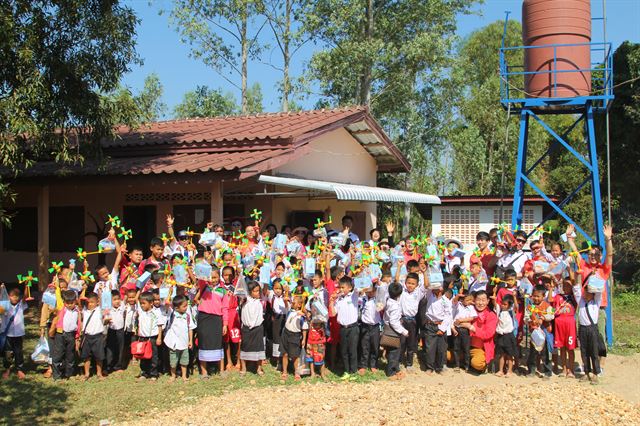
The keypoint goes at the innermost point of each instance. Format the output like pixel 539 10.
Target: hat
pixel 452 240
pixel 183 234
pixel 300 228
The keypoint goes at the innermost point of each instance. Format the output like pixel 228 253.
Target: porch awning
pixel 345 191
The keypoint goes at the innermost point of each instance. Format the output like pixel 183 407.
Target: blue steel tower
pixel 555 99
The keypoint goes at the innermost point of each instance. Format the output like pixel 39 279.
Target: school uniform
pixel 294 324
pixel 149 323
pixel 409 304
pixel 115 338
pixel 369 333
pixel 346 308
pixel 588 330
pixel 92 339
pixel 252 317
pixel 176 338
pixel 15 334
pixel 278 313
pixel 505 339
pixel 129 333
pixel 392 319
pixel 64 343
pixel 438 321
pixel 462 342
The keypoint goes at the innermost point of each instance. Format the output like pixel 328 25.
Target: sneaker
pixel 601 374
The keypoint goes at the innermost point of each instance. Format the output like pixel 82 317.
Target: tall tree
pixel 218 32
pixel 205 102
pixel 57 58
pixel 254 99
pixel 150 99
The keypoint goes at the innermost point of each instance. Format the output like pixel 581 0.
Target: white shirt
pixel 370 314
pixel 465 312
pixel 593 306
pixel 295 322
pixel 116 317
pixel 110 284
pixel 320 294
pixel 392 315
pixel 519 258
pixel 149 322
pixel 70 320
pixel 346 308
pixel 450 262
pixel 177 335
pixel 277 303
pixel 409 301
pixel 129 316
pixel 252 313
pixel 16 328
pixel 92 321
pixel 439 311
pixel 505 323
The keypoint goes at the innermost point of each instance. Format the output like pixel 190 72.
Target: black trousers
pixel 115 348
pixel 129 337
pixel 349 347
pixel 393 362
pixel 409 344
pixel 64 355
pixel 436 348
pixel 462 348
pixel 149 367
pixel 369 345
pixel 14 344
pixel 588 335
pixel 544 356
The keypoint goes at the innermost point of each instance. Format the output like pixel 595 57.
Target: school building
pixel 291 166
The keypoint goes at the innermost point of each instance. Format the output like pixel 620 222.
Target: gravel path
pixel 445 398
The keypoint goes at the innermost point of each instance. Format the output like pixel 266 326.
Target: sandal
pixel 260 372
pixel 297 378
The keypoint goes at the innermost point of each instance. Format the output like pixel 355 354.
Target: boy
pixel 539 315
pixel 588 311
pixel 156 260
pixel 409 301
pixel 438 322
pixel 129 325
pixel 369 332
pixel 115 334
pixel 345 308
pixel 294 334
pixel 505 339
pixel 478 280
pixel 465 313
pixel 13 326
pixel 150 322
pixel 92 337
pixel 179 337
pixel 65 330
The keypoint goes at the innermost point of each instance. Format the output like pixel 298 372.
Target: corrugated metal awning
pixel 345 191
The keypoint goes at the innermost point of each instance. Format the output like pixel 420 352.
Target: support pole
pixel 43 237
pixel 518 191
pixel 217 202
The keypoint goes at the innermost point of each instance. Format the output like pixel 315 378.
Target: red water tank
pixel 557 22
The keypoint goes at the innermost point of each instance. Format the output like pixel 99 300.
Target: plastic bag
pixel 106 245
pixel 538 339
pixel 40 354
pixel 241 287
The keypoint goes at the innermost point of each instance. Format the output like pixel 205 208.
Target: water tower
pixel 564 72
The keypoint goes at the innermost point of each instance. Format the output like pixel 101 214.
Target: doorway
pixel 142 221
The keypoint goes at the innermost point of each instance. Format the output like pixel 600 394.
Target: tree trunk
pixel 365 79
pixel 286 86
pixel 245 56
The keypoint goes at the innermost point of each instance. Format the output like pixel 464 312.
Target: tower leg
pixel 521 165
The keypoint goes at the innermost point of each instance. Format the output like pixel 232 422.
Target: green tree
pixel 57 58
pixel 205 102
pixel 254 99
pixel 218 32
pixel 150 99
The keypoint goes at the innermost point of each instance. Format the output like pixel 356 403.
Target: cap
pixel 183 234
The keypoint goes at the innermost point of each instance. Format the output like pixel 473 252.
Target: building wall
pixel 465 221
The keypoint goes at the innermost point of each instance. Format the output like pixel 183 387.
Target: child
pixel 278 309
pixel 392 316
pixel 115 334
pixel 505 339
pixel 13 328
pixel 163 311
pixel 233 337
pixel 179 336
pixel 478 278
pixel 129 325
pixel 409 303
pixel 252 316
pixel 588 311
pixel 564 332
pixel 465 314
pixel 150 322
pixel 92 337
pixel 539 315
pixel 213 304
pixel 316 340
pixel 65 329
pixel 369 332
pixel 293 335
pixel 345 308
pixel 438 317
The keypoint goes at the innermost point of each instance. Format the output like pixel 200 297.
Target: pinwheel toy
pixel 256 215
pixel 82 255
pixel 55 267
pixel 114 221
pixel 165 238
pixel 166 271
pixel 27 280
pixel 190 233
pixel 88 278
pixel 321 224
pixel 126 234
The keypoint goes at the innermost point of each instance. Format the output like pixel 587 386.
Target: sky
pixel 162 52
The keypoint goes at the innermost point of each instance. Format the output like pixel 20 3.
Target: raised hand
pixel 390 227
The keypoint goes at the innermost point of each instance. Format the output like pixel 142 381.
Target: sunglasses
pixel 236 224
pixel 520 240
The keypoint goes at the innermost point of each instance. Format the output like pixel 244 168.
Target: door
pixel 359 224
pixel 191 216
pixel 142 222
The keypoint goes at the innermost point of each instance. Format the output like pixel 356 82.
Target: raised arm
pixel 570 238
pixel 608 234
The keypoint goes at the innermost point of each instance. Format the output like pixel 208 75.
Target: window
pixel 192 216
pixel 142 221
pixel 527 218
pixel 460 223
pixel 66 229
pixel 23 233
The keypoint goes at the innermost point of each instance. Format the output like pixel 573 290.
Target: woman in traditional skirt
pixel 252 316
pixel 212 321
pixel 278 307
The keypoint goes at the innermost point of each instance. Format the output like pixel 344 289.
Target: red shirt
pixel 485 329
pixel 564 306
pixel 602 270
pixel 486 257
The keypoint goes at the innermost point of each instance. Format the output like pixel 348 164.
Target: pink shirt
pixel 214 300
pixel 485 329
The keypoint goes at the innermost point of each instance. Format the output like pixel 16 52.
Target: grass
pixel 41 401
pixel 626 313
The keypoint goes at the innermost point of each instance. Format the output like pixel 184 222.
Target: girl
pixel 316 343
pixel 505 339
pixel 277 298
pixel 293 335
pixel 252 316
pixel 564 333
pixel 233 337
pixel 213 306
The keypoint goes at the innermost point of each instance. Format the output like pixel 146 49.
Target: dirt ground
pixel 454 398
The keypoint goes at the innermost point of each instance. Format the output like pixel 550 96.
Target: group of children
pixel 299 297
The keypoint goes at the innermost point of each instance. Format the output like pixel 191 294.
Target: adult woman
pixel 482 330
